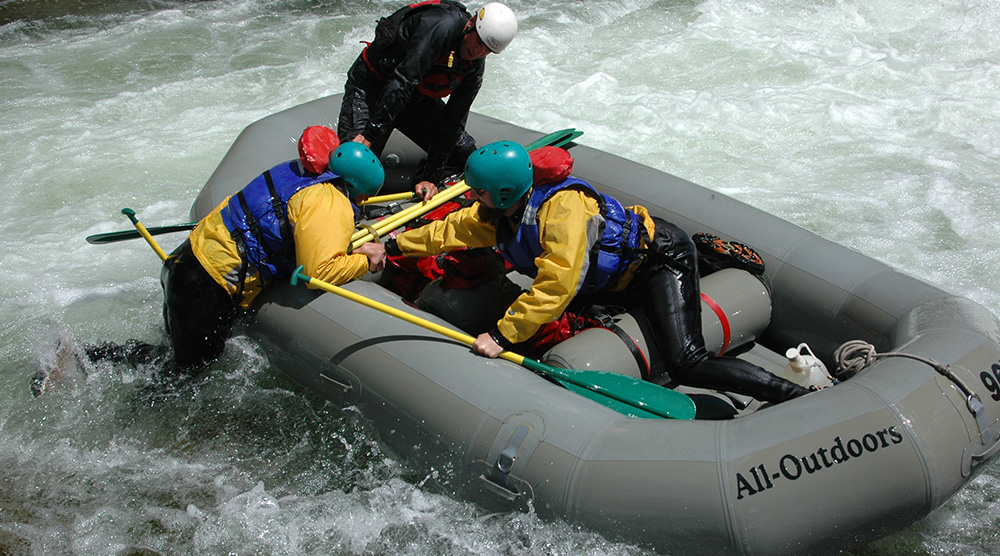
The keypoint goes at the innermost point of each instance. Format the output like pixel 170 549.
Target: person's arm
pixel 567 229
pixel 323 222
pixel 463 228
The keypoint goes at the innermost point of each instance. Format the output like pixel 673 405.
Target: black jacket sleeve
pixel 421 40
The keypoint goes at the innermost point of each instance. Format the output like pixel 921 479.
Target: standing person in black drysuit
pixel 421 54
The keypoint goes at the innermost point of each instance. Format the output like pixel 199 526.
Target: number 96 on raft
pixel 992 381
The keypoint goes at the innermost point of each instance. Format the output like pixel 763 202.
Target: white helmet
pixel 496 25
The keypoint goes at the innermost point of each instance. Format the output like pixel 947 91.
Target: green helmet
pixel 359 167
pixel 503 169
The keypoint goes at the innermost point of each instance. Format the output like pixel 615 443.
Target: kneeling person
pixel 285 217
pixel 577 241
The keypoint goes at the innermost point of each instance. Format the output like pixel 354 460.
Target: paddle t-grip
pixel 297 273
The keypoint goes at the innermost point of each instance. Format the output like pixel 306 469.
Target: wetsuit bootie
pixel 716 254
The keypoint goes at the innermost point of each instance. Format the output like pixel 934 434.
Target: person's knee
pixel 466 146
pixel 685 368
pixel 671 239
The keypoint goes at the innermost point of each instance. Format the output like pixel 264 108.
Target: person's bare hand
pixel 486 346
pixel 376 255
pixel 425 190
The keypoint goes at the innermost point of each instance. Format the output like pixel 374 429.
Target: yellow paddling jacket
pixel 322 219
pixel 569 223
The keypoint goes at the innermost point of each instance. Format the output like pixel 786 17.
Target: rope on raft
pixel 855 355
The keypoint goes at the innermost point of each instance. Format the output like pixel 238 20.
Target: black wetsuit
pixel 399 80
pixel 668 280
pixel 198 314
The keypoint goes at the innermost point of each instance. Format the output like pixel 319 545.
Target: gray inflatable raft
pixel 830 470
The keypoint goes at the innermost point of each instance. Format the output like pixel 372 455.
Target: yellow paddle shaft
pixel 394 221
pixel 144 233
pixel 388 198
pixel 390 223
pixel 408 317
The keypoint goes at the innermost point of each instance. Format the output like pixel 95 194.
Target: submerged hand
pixel 486 346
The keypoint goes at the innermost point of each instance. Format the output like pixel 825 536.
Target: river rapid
pixel 873 124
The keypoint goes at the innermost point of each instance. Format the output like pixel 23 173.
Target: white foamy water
pixel 871 123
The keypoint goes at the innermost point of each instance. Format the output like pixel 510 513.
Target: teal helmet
pixel 359 167
pixel 503 169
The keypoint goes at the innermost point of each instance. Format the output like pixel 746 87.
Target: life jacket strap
pixel 281 213
pixel 251 222
pixel 244 263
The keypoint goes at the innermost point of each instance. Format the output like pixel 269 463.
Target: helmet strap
pixel 340 184
pixel 517 210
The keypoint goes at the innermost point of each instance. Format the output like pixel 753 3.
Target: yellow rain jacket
pixel 567 230
pixel 323 222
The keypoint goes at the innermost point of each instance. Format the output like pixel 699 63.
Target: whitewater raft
pixel 833 469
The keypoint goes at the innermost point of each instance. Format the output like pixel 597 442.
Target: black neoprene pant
pixel 197 311
pixel 418 120
pixel 669 282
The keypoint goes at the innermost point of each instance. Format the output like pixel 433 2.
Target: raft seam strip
pixel 723 320
pixel 917 446
pixel 573 475
pixel 721 460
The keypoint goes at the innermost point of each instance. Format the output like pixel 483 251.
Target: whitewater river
pixel 873 123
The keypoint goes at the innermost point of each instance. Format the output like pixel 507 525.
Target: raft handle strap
pixel 505 461
pixel 855 355
pixel 608 323
pixel 371 230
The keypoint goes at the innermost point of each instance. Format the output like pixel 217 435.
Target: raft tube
pixel 830 470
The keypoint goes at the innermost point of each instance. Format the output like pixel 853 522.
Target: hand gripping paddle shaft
pixel 620 392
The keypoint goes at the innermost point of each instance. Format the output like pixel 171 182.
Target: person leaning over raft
pixel 552 231
pixel 421 54
pixel 285 217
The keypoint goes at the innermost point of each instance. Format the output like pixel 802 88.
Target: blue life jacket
pixel 621 235
pixel 257 217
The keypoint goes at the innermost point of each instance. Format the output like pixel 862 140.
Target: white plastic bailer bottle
pixel 805 369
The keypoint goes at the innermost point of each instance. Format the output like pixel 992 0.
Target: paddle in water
pixel 621 393
pixel 112 237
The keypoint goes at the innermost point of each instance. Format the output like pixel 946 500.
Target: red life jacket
pixel 441 81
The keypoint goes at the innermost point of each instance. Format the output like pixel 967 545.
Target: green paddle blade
pixel 567 139
pixel 636 394
pixel 554 139
pixel 112 237
pixel 610 403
